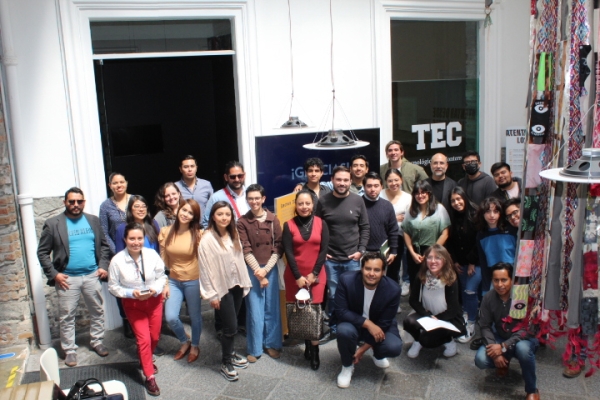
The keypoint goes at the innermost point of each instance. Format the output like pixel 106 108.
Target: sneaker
pixel 450 350
pixel 572 370
pixel 239 361
pixel 152 387
pixel 399 309
pixel 229 372
pixel 273 353
pixel 71 360
pixel 470 332
pixel 101 350
pixel 383 363
pixel 476 344
pixel 252 359
pixel 329 336
pixel 405 288
pixel 344 378
pixel 414 350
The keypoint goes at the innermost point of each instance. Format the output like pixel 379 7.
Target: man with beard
pixel 442 185
pixel 192 187
pixel 478 185
pixel 365 308
pixel 359 166
pixel 80 258
pixel 234 192
pixel 346 216
pixel 508 187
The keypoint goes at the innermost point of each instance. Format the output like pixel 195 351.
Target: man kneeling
pixel 502 343
pixel 365 308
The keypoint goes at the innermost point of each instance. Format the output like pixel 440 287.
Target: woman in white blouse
pixel 137 275
pixel 224 280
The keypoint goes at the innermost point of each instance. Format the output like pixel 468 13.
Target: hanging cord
pixel 331 52
pixel 291 58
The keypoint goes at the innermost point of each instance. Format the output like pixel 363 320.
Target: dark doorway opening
pixel 154 111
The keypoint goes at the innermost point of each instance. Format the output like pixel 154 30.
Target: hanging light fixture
pixel 586 169
pixel 293 121
pixel 334 139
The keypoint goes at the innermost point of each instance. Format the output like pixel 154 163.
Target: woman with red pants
pixel 305 240
pixel 137 275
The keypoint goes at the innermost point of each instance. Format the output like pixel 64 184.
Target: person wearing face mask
pixel 478 185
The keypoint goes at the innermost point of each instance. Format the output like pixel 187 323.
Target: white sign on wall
pixel 515 149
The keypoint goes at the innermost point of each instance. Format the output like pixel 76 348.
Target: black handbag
pixel 82 390
pixel 305 320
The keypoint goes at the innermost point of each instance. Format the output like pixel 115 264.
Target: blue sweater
pixel 495 245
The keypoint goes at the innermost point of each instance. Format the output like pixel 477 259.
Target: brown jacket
pixel 262 239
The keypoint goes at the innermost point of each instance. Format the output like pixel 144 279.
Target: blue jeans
pixel 470 288
pixel 405 277
pixel 263 320
pixel 190 290
pixel 524 351
pixel 348 338
pixel 334 270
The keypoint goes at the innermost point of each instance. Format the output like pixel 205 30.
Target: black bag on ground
pixel 82 390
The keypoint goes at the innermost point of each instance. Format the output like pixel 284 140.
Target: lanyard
pixel 142 271
pixel 233 203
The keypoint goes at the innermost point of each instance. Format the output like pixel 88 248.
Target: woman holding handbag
pixel 137 275
pixel 305 240
pixel 224 280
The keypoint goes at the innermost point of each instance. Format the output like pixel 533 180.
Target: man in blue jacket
pixel 365 308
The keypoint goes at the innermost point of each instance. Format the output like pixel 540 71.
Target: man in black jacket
pixel 365 311
pixel 80 258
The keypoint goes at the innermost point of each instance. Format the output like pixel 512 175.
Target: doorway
pixel 155 111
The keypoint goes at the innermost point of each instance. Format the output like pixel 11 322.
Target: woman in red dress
pixel 305 240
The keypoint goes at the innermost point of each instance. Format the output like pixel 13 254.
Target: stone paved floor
pixel 430 376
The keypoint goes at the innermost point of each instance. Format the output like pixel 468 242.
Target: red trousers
pixel 145 318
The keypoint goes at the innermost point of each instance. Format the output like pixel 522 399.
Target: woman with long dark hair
pixel 434 293
pixel 305 241
pixel 167 201
pixel 137 211
pixel 113 211
pixel 426 224
pixel 496 240
pixel 224 280
pixel 179 250
pixel 462 246
pixel 136 275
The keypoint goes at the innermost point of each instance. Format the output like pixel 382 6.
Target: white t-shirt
pixel 367 304
pixel 514 192
pixel 400 207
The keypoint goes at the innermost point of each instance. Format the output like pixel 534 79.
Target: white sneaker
pixel 383 363
pixel 450 349
pixel 405 288
pixel 414 350
pixel 344 378
pixel 399 309
pixel 470 332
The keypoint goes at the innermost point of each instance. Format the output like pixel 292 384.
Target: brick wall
pixel 16 324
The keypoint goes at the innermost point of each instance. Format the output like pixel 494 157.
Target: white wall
pixel 45 163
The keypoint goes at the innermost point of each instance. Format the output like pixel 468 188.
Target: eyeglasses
pixel 238 176
pixel 72 202
pixel 421 194
pixel 434 258
pixel 514 215
pixel 474 162
pixel 140 207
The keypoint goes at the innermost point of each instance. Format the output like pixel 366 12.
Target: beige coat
pixel 216 267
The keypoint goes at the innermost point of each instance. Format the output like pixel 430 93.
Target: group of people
pixel 346 244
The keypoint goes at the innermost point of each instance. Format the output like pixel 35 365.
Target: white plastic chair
pixel 49 372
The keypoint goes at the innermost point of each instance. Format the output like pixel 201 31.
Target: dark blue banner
pixel 280 159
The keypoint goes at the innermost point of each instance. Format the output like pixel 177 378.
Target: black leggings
pixel 413 267
pixel 393 270
pixel 431 339
pixel 228 311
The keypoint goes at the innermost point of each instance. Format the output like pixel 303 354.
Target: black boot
pixel 127 329
pixel 314 360
pixel 307 349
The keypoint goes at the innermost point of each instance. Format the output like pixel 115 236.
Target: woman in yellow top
pixel 179 250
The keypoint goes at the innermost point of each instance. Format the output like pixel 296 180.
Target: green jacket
pixel 410 174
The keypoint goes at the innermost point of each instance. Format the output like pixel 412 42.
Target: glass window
pixel 435 89
pixel 110 37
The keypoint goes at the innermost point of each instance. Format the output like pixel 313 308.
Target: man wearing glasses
pixel 192 187
pixel 80 258
pixel 512 210
pixel 234 192
pixel 478 185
